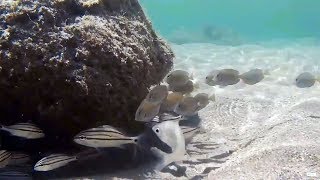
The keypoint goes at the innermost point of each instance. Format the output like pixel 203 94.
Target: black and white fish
pixel 53 161
pixel 170 133
pixel 104 136
pixel 19 158
pixel 5 157
pixel 24 130
pixel 14 175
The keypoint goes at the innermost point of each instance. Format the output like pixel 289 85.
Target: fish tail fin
pixel 266 72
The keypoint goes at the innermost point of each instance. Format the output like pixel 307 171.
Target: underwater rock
pixel 69 65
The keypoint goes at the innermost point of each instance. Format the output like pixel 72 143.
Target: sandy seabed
pixel 270 130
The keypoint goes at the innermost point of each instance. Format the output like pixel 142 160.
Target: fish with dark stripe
pixel 14 175
pixel 5 157
pixel 24 130
pixel 19 158
pixel 104 136
pixel 53 161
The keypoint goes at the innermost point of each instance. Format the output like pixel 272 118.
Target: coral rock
pixel 68 65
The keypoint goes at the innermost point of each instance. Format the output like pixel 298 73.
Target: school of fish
pixel 163 111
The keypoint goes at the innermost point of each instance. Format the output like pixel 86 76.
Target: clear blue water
pixel 234 21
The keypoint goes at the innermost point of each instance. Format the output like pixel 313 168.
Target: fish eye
pixel 135 140
pixel 82 137
pixel 157 130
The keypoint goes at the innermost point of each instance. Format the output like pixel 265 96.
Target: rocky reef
pixel 68 65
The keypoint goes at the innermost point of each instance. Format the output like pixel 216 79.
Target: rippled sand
pixel 267 131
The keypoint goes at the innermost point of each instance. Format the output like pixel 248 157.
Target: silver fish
pixel 305 80
pixel 187 107
pixel 166 117
pixel 252 77
pixel 170 103
pixel 53 161
pixel 177 78
pixel 14 175
pixel 5 157
pixel 19 158
pixel 170 133
pixel 147 111
pixel 157 94
pixel 24 130
pixel 223 77
pixel 104 136
pixel 189 132
pixel 203 100
pixel 184 89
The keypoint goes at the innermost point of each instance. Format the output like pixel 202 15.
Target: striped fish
pixel 24 130
pixel 104 136
pixel 189 132
pixel 14 175
pixel 19 158
pixel 5 157
pixel 53 161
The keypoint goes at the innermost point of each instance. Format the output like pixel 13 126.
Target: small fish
pixel 170 103
pixel 5 157
pixel 252 77
pixel 203 100
pixel 104 136
pixel 157 94
pixel 53 161
pixel 24 130
pixel 177 78
pixel 184 89
pixel 19 158
pixel 189 132
pixel 14 175
pixel 170 133
pixel 188 106
pixel 305 80
pixel 147 111
pixel 223 77
pixel 167 117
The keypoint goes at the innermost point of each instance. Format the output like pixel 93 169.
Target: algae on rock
pixel 68 65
